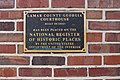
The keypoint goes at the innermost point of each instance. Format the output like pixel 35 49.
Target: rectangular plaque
pixel 55 31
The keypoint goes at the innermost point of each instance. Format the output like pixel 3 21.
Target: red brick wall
pixel 100 62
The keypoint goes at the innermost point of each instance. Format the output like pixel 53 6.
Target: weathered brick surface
pixel 84 60
pixel 104 71
pixel 6 26
pixel 112 37
pixel 70 72
pixel 104 25
pixel 68 3
pixel 8 72
pixel 94 37
pixel 104 48
pixel 11 14
pixel 7 49
pixel 11 37
pixel 20 26
pixel 48 60
pixel 113 15
pixel 104 3
pixel 35 72
pixel 112 60
pixel 14 60
pixel 6 4
pixel 20 49
pixel 92 14
pixel 32 3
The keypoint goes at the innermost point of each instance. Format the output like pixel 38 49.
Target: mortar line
pixel 12 20
pixel 102 60
pixel 15 26
pixel 103 37
pixel 86 4
pixel 52 72
pixel 103 43
pixel 54 66
pixel 62 55
pixel 110 31
pixel 50 4
pixel 66 60
pixel 16 48
pixel 106 9
pixel 11 31
pixel 102 20
pixel 103 15
pixel 19 20
pixel 75 78
pixel 15 4
pixel 87 25
pixel 11 42
pixel 31 58
pixel 88 72
pixel 87 49
pixel 17 72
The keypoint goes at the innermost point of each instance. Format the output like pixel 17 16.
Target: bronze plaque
pixel 55 31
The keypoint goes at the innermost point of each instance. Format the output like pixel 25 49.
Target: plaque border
pixel 82 11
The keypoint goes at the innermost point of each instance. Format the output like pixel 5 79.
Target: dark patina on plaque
pixel 55 31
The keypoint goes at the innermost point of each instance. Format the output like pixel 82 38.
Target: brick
pixel 8 72
pixel 104 25
pixel 104 48
pixel 113 15
pixel 116 3
pixel 94 14
pixel 112 37
pixel 84 60
pixel 32 3
pixel 68 3
pixel 10 60
pixel 104 3
pixel 11 37
pixel 11 14
pixel 48 60
pixel 6 4
pixel 35 72
pixel 20 26
pixel 104 72
pixel 6 26
pixel 20 49
pixel 94 37
pixel 70 72
pixel 112 60
pixel 7 49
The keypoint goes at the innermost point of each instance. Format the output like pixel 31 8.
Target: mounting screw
pixel 26 49
pixel 83 49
